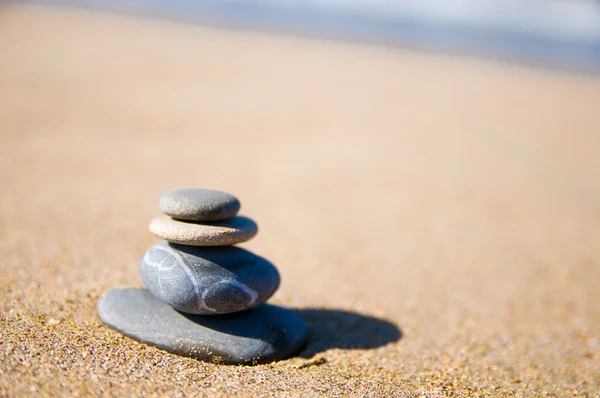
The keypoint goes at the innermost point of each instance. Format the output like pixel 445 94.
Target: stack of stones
pixel 205 297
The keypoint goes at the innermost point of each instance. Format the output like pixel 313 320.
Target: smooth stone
pixel 223 233
pixel 264 334
pixel 199 205
pixel 208 280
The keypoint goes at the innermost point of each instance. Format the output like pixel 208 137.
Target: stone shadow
pixel 331 328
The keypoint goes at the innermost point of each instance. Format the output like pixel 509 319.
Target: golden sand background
pixel 457 200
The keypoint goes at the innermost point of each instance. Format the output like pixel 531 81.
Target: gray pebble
pixel 208 280
pixel 223 233
pixel 199 205
pixel 264 334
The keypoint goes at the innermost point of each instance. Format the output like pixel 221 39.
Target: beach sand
pixel 435 219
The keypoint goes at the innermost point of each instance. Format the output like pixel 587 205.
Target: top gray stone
pixel 199 205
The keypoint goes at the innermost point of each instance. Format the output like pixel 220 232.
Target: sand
pixel 435 219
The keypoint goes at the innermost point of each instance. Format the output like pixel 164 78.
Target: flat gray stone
pixel 199 205
pixel 223 233
pixel 208 280
pixel 264 334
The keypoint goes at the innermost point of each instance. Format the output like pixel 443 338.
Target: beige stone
pixel 224 233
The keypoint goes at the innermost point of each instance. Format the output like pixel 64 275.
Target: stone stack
pixel 205 297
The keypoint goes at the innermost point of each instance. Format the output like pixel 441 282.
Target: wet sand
pixel 434 219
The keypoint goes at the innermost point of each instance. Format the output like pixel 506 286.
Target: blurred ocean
pixel 564 33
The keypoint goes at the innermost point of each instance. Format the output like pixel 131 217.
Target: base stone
pixel 264 334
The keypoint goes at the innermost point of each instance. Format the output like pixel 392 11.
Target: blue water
pixel 571 41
